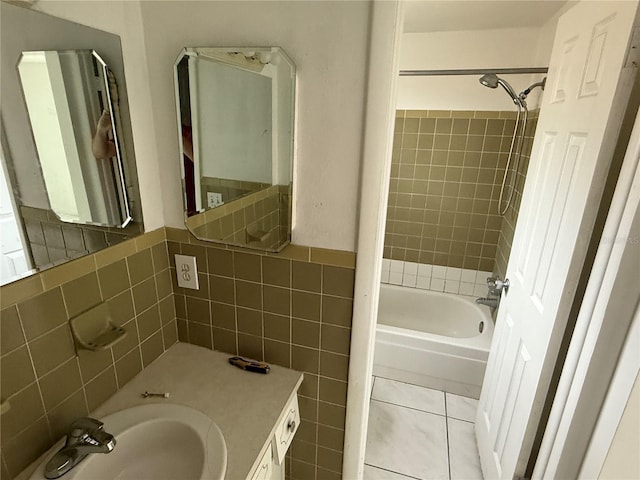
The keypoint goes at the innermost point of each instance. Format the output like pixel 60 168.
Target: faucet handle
pixel 496 285
pixel 85 425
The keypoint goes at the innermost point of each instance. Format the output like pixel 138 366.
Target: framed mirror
pixel 68 180
pixel 236 128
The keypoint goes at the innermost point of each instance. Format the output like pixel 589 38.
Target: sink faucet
pixel 86 436
pixel 491 302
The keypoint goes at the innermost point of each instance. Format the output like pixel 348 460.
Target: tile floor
pixel 419 433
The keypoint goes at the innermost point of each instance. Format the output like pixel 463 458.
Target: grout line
pixel 392 471
pixel 408 408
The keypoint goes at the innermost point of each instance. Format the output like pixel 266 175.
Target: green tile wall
pixel 292 309
pixel 446 171
pixel 46 381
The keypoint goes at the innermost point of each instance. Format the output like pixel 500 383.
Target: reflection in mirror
pixel 68 183
pixel 72 100
pixel 236 117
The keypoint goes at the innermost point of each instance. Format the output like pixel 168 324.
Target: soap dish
pixel 95 330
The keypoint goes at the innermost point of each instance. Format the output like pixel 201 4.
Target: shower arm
pixel 521 106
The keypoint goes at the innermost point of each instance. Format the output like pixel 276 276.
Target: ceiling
pixel 448 15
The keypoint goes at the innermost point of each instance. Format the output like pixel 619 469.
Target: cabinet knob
pixel 291 426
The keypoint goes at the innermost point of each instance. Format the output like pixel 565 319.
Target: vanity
pixel 257 414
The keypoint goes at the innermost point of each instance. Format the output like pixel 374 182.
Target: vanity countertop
pixel 245 405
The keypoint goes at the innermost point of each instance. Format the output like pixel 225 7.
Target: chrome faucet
pixel 491 302
pixel 86 436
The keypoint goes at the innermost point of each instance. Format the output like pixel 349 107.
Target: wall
pixel 509 219
pixel 622 461
pixel 292 309
pixel 498 48
pixel 233 124
pixel 47 382
pixel 446 172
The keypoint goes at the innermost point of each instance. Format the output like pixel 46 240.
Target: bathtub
pixel 432 339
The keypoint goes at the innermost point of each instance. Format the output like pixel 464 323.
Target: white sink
pixel 156 441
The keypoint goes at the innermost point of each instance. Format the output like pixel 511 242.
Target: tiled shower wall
pixel 45 381
pixel 447 167
pixel 509 219
pixel 292 309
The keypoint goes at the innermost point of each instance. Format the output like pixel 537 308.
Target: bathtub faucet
pixel 491 302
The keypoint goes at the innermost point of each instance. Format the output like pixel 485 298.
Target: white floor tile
pixel 407 441
pixel 374 473
pixel 462 408
pixel 407 395
pixel 463 452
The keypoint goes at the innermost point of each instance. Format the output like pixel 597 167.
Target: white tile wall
pixel 436 278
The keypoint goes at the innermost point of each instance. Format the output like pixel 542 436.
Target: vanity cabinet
pixel 271 464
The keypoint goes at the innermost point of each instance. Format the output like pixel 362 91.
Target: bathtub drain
pixel 481 327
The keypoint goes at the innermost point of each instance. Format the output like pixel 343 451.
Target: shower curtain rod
pixel 473 71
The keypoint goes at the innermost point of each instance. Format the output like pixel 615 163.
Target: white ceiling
pixel 448 15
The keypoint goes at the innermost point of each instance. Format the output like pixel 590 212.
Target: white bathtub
pixel 437 340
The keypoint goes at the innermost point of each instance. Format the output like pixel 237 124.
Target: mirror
pixel 72 100
pixel 68 183
pixel 236 121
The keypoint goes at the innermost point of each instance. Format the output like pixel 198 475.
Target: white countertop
pixel 245 405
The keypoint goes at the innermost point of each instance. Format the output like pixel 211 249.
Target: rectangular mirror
pixel 68 181
pixel 236 120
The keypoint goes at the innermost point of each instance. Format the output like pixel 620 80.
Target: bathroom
pixel 48 385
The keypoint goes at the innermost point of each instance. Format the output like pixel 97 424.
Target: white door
pixel 581 112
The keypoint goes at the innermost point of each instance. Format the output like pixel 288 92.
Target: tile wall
pixel 53 242
pixel 292 309
pixel 509 220
pixel 46 382
pixel 445 179
pixel 435 278
pixel 229 189
pixel 259 220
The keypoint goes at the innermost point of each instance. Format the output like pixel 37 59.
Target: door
pixel 582 109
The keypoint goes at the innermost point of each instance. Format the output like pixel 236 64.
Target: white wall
pixel 233 122
pixel 622 461
pixel 498 48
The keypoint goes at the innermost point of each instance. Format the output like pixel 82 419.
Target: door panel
pixel 569 161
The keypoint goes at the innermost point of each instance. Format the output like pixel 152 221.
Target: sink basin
pixel 156 441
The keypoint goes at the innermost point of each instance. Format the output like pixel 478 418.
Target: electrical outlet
pixel 187 272
pixel 214 199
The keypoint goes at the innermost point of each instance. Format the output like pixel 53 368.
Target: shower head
pixel 491 80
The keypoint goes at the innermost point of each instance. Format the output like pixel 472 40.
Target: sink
pixel 156 441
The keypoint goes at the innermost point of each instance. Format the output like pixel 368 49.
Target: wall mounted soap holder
pixel 95 330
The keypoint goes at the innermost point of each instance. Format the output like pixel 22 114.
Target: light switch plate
pixel 187 272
